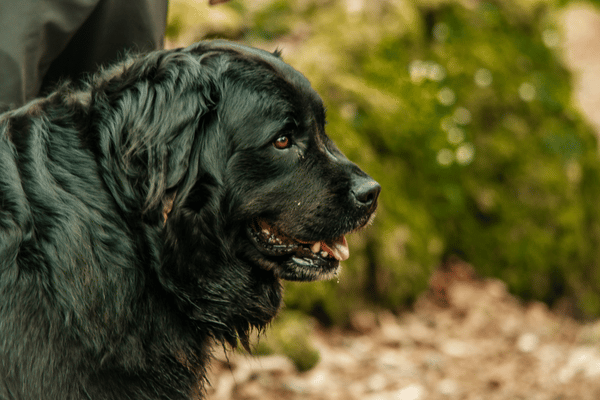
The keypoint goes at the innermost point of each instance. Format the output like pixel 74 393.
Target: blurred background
pixel 480 277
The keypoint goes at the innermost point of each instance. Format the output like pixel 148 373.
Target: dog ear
pixel 147 113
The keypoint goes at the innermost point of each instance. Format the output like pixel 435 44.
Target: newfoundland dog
pixel 153 210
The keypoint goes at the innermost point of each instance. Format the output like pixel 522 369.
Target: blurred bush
pixel 462 110
pixel 290 334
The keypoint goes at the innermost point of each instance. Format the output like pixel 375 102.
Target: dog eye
pixel 282 142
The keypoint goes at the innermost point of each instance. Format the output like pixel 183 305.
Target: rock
pixel 457 348
pixel 363 321
pixel 419 332
pixel 275 364
pixel 391 331
pixel 528 342
pixel 463 295
pixel 434 361
pixel 496 289
pixel 448 387
pixel 318 380
pixel 537 314
pixel 510 325
pixel 411 392
pixel 583 359
pixel 224 387
pixel 396 361
pixel 376 383
pixel 550 357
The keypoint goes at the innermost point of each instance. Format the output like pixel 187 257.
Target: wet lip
pixel 294 259
pixel 275 243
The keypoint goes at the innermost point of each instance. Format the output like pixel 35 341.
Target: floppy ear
pixel 146 115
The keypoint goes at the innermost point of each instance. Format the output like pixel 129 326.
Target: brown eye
pixel 282 142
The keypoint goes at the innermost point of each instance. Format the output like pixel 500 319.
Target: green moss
pixel 290 335
pixel 272 21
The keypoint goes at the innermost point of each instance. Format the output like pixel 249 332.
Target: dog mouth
pixel 294 259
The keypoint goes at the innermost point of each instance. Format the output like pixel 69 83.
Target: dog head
pixel 294 192
pixel 227 144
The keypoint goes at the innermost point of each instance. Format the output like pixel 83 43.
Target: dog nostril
pixel 366 194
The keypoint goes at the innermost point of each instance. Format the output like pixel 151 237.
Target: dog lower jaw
pixel 298 269
pixel 294 267
pixel 297 261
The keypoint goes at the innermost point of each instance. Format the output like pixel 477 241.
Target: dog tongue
pixel 338 248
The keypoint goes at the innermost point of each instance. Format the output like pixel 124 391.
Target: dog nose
pixel 365 192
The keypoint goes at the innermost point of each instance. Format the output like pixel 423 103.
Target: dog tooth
pixel 315 248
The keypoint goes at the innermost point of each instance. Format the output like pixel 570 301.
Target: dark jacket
pixel 42 42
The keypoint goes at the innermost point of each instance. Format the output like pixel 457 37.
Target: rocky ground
pixel 465 339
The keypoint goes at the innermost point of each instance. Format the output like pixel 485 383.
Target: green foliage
pixel 290 335
pixel 462 111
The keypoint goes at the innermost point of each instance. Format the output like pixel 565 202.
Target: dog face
pixel 287 184
pixel 298 194
pixel 230 145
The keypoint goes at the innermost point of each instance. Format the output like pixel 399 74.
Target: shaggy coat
pixel 153 210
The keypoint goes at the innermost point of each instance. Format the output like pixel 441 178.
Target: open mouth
pixel 297 260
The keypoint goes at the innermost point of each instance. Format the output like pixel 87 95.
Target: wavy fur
pixel 100 296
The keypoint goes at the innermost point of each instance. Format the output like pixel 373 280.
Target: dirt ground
pixel 465 339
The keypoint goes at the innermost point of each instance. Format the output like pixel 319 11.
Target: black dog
pixel 153 210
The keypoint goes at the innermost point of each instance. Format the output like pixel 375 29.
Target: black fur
pixel 130 212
